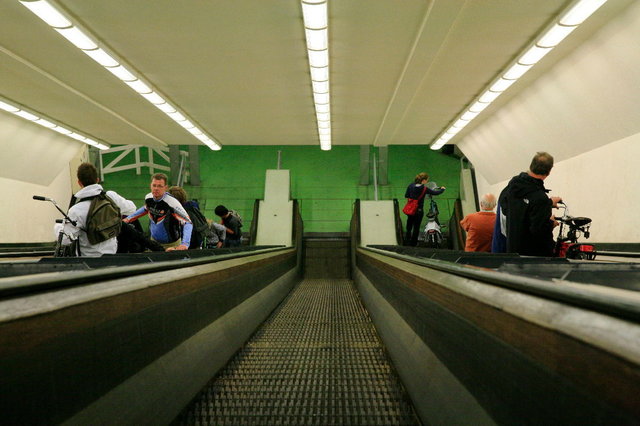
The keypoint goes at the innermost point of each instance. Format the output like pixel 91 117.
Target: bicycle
pixel 567 244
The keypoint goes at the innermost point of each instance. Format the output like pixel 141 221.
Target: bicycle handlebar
pixel 41 198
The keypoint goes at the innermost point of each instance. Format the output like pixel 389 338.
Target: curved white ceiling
pixel 400 71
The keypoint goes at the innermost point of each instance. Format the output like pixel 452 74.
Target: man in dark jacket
pixel 525 205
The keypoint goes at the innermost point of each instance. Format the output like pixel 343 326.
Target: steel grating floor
pixel 317 360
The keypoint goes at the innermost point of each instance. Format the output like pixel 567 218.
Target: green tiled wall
pixel 326 183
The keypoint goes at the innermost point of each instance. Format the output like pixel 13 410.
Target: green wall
pixel 325 183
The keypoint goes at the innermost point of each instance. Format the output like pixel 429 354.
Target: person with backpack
pixel 97 215
pixel 233 222
pixel 200 224
pixel 169 223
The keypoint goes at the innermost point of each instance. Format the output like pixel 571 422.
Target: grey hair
pixel 488 202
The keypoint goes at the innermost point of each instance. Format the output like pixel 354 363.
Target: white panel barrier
pixel 377 223
pixel 275 217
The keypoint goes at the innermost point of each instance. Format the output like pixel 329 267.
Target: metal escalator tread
pixel 317 360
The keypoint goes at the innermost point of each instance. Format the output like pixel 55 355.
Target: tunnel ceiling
pixel 400 71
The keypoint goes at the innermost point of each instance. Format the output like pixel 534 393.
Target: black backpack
pixel 200 226
pixel 103 220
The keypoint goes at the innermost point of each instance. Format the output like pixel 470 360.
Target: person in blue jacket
pixel 166 216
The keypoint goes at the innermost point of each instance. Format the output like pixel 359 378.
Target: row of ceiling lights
pixel 316 32
pixel 577 13
pixel 22 112
pixel 83 41
pixel 314 13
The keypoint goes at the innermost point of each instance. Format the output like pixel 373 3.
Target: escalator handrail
pixel 605 303
pixel 37 283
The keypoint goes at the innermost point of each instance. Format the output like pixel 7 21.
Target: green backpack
pixel 103 220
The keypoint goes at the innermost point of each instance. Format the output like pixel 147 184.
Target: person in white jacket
pixel 88 181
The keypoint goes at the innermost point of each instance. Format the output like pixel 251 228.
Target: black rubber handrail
pixel 253 229
pixel 608 304
pixel 37 283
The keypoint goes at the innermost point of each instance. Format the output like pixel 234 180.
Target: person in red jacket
pixel 479 226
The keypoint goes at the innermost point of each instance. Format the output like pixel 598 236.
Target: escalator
pixel 317 360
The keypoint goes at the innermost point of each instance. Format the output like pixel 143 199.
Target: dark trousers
pixel 413 228
pixel 232 243
pixel 132 240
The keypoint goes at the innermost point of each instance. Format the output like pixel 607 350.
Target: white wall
pixel 586 113
pixel 602 184
pixel 33 161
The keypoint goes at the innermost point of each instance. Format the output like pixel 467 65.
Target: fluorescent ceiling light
pixel 477 107
pixel 322 108
pixel 186 124
pixel 102 57
pixel 555 35
pixel 195 131
pixel 154 98
pixel 469 115
pixel 209 142
pixel 62 130
pixel 322 116
pixel 318 58
pixel 437 145
pixel 138 86
pixel 315 18
pixel 77 38
pixel 34 118
pixel 77 136
pixel 317 39
pixel 314 15
pixel 62 24
pixel 176 116
pixel 489 96
pixel 581 11
pixel 533 55
pixel 501 85
pixel 45 123
pixel 122 73
pixel 47 13
pixel 26 115
pixel 319 74
pixel 320 86
pixel 460 124
pixel 321 98
pixel 516 71
pixel 166 108
pixel 567 23
pixel 8 108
